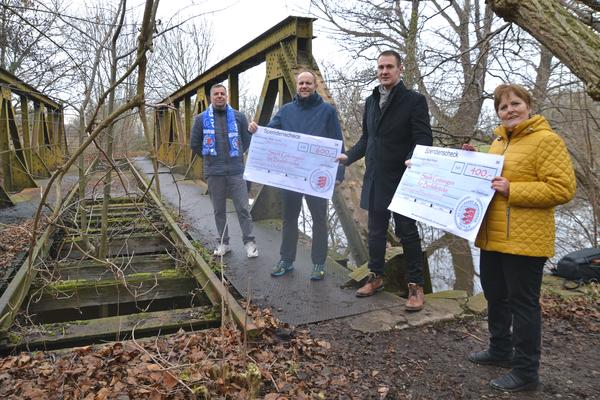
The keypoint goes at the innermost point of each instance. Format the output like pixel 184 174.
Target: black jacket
pixel 388 139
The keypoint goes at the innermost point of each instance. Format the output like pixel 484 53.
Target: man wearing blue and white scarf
pixel 220 136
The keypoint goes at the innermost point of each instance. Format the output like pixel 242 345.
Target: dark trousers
pixel 218 187
pixel 292 203
pixel 511 285
pixel 406 229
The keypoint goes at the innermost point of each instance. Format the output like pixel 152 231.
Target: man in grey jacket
pixel 220 136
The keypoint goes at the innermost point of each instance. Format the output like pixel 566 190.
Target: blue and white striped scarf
pixel 208 128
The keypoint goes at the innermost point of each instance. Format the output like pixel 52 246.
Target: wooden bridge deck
pixel 151 280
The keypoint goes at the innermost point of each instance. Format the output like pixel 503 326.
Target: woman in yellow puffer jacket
pixel 517 235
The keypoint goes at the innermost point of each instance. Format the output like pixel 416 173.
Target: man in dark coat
pixel 395 120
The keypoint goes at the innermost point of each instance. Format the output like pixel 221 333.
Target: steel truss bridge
pixel 32 136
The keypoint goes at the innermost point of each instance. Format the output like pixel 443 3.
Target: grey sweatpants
pixel 218 187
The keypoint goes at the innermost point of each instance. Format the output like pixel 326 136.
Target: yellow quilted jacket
pixel 540 172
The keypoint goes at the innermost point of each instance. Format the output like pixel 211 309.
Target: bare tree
pixel 569 29
pixel 577 118
pixel 182 53
pixel 560 97
pixel 28 34
pixel 95 126
pixel 103 249
pixel 449 68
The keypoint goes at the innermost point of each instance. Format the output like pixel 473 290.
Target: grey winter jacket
pixel 222 163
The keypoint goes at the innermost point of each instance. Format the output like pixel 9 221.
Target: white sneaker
pixel 221 250
pixel 251 249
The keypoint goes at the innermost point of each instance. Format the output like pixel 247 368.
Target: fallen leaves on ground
pixel 581 310
pixel 280 363
pixel 14 239
pixel 213 363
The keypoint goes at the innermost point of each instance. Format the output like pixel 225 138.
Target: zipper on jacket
pixel 507 222
pixel 506 146
pixel 507 207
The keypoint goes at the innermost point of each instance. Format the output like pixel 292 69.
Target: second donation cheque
pixel 293 161
pixel 449 189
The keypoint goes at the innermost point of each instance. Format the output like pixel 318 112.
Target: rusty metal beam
pixel 5 200
pixel 234 90
pixel 21 88
pixel 26 132
pixel 28 150
pixel 5 150
pixel 20 173
pixel 250 55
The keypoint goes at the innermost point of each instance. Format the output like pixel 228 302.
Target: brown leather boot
pixel 374 284
pixel 416 298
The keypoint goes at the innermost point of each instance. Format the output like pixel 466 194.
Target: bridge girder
pixel 32 139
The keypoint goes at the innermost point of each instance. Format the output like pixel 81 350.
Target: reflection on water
pixel 453 261
pixel 455 273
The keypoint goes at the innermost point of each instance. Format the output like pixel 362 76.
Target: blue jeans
pixel 511 285
pixel 292 204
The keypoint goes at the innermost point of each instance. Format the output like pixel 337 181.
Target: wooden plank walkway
pixel 152 281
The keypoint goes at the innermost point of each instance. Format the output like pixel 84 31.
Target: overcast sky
pixel 236 22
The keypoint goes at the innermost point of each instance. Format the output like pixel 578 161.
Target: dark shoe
pixel 374 284
pixel 416 298
pixel 318 272
pixel 485 358
pixel 282 268
pixel 513 383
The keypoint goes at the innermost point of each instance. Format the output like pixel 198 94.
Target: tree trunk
pixel 82 184
pixel 103 250
pixel 346 196
pixel 569 39
pixel 462 259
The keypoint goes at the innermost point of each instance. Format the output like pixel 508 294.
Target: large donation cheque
pixel 293 161
pixel 449 189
